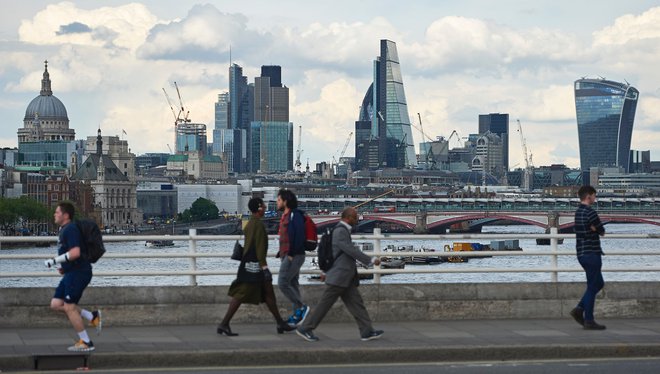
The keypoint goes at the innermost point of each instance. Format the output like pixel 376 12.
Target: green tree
pixel 19 212
pixel 203 209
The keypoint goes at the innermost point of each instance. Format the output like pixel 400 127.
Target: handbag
pixel 238 252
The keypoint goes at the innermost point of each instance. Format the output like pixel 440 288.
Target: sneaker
pixel 578 315
pixel 376 334
pixel 82 346
pixel 302 313
pixel 96 321
pixel 592 325
pixel 293 320
pixel 307 335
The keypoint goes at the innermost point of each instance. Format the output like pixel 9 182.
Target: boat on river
pixel 159 243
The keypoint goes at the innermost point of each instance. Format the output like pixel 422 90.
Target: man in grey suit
pixel 342 281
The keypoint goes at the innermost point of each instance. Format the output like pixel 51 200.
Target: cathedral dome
pixel 46 106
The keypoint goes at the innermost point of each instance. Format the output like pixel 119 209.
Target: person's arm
pixel 342 238
pixel 70 238
pixel 261 244
pixel 595 223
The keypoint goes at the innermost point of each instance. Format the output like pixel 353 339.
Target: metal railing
pixel 376 238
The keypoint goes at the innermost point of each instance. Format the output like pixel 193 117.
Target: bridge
pixel 474 220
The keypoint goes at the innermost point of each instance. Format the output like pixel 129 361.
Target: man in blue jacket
pixel 292 253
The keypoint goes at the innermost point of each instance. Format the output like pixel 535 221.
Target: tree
pixel 201 210
pixel 18 213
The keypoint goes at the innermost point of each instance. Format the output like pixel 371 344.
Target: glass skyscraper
pixel 272 146
pixel 386 108
pixel 605 115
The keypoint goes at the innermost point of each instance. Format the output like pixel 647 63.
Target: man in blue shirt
pixel 77 273
pixel 588 230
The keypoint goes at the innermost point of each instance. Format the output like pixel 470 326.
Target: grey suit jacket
pixel 344 270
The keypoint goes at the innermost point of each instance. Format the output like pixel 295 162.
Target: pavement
pixel 259 344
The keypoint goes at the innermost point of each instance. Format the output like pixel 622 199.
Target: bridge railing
pixel 377 238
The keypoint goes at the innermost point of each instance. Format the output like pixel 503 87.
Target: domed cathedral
pixel 45 117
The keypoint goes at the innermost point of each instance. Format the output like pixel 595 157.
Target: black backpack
pixel 324 251
pixel 91 247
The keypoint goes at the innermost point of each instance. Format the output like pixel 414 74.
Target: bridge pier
pixel 420 222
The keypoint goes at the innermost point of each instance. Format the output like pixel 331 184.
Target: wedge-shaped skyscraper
pixel 385 111
pixel 605 115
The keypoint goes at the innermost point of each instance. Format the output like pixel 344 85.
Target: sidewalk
pixel 259 344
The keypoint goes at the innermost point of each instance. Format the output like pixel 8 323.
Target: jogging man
pixel 77 273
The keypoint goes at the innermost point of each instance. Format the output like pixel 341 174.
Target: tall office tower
pixel 271 134
pixel 240 114
pixel 191 137
pixel 227 141
pixel 605 115
pixel 386 108
pixel 497 124
pixel 271 98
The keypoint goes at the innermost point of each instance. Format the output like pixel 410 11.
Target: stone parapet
pixel 180 305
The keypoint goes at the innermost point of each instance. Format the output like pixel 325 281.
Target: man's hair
pixel 585 191
pixel 67 207
pixel 289 197
pixel 254 204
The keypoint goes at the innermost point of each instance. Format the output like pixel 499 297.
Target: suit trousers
pixel 353 302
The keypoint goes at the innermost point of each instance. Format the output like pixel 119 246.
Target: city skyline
pixel 109 59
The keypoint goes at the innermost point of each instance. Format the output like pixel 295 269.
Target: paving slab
pixel 416 341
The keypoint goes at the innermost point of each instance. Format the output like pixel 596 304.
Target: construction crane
pixel 185 119
pixel 299 151
pixel 458 137
pixel 169 102
pixel 170 148
pixel 345 145
pixel 430 159
pixel 527 173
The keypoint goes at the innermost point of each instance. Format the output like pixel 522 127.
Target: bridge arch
pixel 452 220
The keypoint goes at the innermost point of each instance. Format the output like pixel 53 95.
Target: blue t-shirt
pixel 70 237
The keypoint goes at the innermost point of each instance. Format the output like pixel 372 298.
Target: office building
pixel 605 115
pixel 191 137
pixel 385 106
pixel 497 123
pixel 272 146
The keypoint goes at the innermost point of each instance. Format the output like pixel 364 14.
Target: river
pixel 528 245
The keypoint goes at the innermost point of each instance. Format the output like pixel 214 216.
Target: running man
pixel 77 273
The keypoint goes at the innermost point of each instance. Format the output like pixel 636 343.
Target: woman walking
pixel 254 282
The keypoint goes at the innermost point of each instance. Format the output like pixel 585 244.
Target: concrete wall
pixel 28 307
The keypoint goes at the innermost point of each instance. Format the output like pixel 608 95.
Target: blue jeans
pixel 591 263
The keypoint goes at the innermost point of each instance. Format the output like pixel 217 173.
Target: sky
pixel 109 60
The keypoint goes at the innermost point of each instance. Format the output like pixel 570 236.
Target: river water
pixel 528 245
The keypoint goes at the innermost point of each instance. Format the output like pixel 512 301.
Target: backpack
pixel 311 235
pixel 324 253
pixel 91 245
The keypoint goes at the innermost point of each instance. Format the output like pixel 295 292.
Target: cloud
pixel 461 44
pixel 73 28
pixel 204 34
pixel 630 29
pixel 124 26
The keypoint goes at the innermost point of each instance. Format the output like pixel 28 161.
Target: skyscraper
pixel 271 133
pixel 240 114
pixel 497 124
pixel 605 115
pixel 386 108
